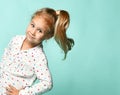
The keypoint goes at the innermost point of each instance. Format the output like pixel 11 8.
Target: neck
pixel 27 45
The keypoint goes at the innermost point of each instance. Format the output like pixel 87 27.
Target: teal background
pixel 93 65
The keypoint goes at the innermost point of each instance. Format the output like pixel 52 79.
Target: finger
pixel 8 93
pixel 12 88
pixel 8 89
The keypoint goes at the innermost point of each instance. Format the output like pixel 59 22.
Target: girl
pixel 24 60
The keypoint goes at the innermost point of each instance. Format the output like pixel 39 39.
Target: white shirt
pixel 20 68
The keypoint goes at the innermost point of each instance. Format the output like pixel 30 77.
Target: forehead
pixel 49 19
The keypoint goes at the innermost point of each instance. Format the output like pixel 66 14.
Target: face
pixel 36 31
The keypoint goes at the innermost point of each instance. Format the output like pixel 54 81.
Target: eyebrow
pixel 32 22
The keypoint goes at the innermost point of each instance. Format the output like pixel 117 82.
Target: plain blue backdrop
pixel 93 65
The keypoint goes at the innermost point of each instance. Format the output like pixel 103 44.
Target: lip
pixel 31 36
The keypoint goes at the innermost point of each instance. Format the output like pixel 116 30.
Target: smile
pixel 31 36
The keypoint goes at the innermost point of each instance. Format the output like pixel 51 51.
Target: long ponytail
pixel 60 36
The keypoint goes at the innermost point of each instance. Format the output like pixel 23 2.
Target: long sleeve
pixel 2 63
pixel 43 75
pixel 3 58
pixel 6 54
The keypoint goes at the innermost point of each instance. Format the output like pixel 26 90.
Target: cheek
pixel 40 37
pixel 28 29
pixel 27 32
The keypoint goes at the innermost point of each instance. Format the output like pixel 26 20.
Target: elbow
pixel 50 85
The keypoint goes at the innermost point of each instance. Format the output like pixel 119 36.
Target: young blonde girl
pixel 24 60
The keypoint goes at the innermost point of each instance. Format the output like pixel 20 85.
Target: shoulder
pixel 18 37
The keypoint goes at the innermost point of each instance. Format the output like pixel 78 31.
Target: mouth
pixel 31 36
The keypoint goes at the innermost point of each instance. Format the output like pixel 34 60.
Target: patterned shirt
pixel 20 68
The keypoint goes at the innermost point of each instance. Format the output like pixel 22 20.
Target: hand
pixel 12 90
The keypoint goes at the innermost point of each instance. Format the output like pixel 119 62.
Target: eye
pixel 39 30
pixel 32 25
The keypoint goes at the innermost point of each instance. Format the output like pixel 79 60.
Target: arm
pixel 6 54
pixel 8 50
pixel 3 58
pixel 43 75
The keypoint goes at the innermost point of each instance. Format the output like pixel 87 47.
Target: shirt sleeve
pixel 3 58
pixel 6 53
pixel 43 75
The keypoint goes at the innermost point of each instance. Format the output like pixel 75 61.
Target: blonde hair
pixel 58 22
